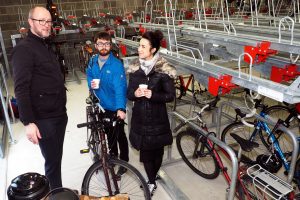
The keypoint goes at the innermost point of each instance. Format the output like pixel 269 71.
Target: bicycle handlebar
pixel 114 120
pixel 198 116
pixel 179 126
pixel 245 116
pixel 84 124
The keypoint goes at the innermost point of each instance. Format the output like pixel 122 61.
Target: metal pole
pixel 4 54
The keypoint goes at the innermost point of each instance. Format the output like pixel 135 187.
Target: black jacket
pixel 39 83
pixel 150 128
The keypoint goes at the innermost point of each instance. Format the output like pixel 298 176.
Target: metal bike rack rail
pixel 202 70
pixel 241 28
pixel 221 144
pixel 224 39
pixel 268 120
pixel 5 104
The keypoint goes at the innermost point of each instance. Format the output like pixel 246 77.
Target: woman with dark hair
pixel 151 86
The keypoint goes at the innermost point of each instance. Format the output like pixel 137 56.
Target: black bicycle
pixel 102 179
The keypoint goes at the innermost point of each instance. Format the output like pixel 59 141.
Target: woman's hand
pixel 147 93
pixel 139 92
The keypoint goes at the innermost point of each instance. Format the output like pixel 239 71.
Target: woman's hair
pixel 154 38
pixel 102 35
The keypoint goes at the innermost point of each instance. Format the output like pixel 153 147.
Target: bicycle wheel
pixel 93 142
pixel 179 93
pixel 197 154
pixel 296 178
pixel 283 112
pixel 131 183
pixel 244 132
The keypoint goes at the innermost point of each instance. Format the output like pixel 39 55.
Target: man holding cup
pixel 106 76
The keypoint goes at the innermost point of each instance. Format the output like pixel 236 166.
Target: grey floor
pixel 25 157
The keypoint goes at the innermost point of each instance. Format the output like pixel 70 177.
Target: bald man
pixel 40 92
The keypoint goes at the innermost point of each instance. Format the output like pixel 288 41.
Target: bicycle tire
pixel 131 183
pixel 178 93
pixel 282 112
pixel 186 143
pixel 93 142
pixel 297 174
pixel 245 132
pixel 239 191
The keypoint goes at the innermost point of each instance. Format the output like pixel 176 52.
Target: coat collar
pixel 161 66
pixel 108 61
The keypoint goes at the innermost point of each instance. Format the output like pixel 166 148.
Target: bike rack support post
pixel 224 146
pixel 270 121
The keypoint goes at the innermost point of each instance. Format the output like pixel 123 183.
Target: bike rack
pixel 292 35
pixel 202 70
pixel 6 105
pixel 146 10
pixel 268 183
pixel 268 120
pixel 217 141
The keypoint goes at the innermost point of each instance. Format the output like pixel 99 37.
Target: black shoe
pixel 121 171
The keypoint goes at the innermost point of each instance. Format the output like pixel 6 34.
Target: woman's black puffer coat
pixel 150 128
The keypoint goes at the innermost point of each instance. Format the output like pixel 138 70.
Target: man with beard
pixel 111 90
pixel 41 93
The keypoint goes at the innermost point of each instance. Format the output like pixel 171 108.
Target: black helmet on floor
pixel 29 186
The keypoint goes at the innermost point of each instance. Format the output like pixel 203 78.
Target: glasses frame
pixel 43 22
pixel 107 44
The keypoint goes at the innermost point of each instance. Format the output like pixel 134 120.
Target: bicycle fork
pixel 107 167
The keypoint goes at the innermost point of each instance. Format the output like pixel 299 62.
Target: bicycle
pixel 289 114
pixel 101 178
pixel 202 156
pixel 192 89
pixel 274 154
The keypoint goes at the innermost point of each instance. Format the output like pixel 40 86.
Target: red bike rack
pixel 284 74
pixel 123 49
pixel 259 53
pixel 163 43
pixel 142 29
pixel 224 83
pixel 188 15
pixel 298 107
pixel 148 18
pixel 102 14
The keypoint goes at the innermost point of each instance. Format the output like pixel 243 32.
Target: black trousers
pixel 53 132
pixel 117 136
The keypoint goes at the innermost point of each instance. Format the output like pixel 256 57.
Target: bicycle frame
pixel 185 87
pixel 220 162
pixel 104 159
pixel 264 126
pixel 223 168
pixel 97 126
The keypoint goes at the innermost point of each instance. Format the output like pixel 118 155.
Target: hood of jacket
pixel 161 66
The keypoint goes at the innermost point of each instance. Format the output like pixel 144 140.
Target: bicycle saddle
pixel 246 145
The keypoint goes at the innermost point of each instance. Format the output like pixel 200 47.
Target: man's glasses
pixel 42 21
pixel 103 44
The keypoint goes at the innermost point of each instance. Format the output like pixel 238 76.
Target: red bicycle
pixel 188 91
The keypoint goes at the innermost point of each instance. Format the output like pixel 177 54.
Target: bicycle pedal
pixel 82 151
